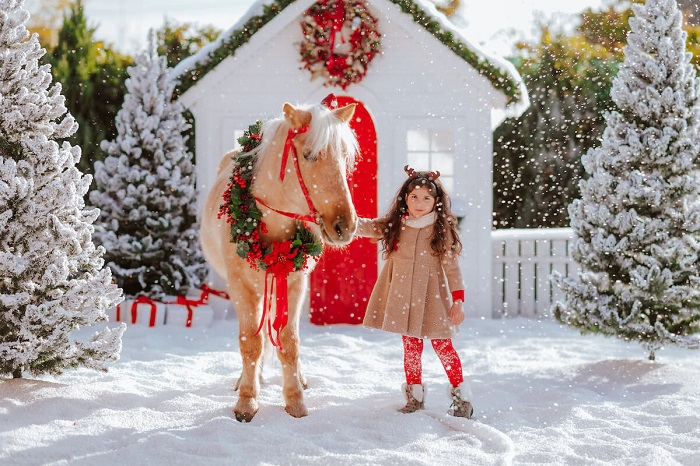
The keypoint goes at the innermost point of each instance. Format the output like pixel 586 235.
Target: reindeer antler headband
pixel 432 176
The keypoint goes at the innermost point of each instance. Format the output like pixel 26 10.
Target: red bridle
pixel 289 147
pixel 331 102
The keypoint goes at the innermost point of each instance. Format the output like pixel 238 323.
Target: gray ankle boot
pixel 461 406
pixel 415 396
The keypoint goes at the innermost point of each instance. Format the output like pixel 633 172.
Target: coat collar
pixel 421 222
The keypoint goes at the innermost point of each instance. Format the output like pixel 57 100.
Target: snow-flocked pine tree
pixel 637 223
pixel 52 277
pixel 145 189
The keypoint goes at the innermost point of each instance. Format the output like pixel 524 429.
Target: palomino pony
pixel 315 147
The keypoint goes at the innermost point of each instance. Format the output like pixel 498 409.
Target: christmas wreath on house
pixel 340 40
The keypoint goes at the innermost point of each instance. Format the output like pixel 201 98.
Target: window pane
pixel 448 182
pixel 444 162
pixel 419 161
pixel 417 140
pixel 442 141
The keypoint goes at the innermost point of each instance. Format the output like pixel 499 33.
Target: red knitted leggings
pixel 412 355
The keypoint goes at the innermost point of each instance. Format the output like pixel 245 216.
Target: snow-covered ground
pixel 543 394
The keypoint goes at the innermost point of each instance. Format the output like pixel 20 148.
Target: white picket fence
pixel 523 263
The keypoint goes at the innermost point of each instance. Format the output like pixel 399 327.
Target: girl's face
pixel 420 202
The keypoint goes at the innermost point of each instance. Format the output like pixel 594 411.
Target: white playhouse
pixel 426 96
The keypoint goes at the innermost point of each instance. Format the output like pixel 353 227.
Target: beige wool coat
pixel 412 295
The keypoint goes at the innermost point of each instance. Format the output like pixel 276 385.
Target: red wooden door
pixel 343 279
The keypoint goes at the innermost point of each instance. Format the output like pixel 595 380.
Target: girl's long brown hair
pixel 445 237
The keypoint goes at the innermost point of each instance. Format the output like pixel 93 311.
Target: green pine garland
pixel 498 78
pixel 495 75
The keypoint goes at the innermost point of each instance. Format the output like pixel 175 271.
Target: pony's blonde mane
pixel 325 131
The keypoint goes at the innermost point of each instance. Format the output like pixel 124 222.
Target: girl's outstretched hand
pixel 457 313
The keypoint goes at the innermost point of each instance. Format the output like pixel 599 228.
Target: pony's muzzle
pixel 341 231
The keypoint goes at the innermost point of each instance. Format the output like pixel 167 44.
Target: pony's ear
pixel 345 113
pixel 296 117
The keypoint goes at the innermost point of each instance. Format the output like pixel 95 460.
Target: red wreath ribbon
pixel 335 63
pixel 278 288
pixel 280 263
pixel 337 21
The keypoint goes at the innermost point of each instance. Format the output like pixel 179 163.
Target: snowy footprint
pixel 485 438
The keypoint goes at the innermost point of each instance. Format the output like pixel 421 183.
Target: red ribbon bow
pixel 134 310
pixel 180 300
pixel 338 19
pixel 188 303
pixel 203 300
pixel 330 101
pixel 280 263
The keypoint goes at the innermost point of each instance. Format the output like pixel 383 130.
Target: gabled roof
pixel 499 72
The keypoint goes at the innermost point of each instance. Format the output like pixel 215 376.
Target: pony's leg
pixel 292 384
pixel 246 301
pixel 261 368
pixel 302 378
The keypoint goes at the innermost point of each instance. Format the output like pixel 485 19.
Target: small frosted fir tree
pixel 145 189
pixel 637 223
pixel 52 277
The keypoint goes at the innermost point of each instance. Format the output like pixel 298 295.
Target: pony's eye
pixel 308 155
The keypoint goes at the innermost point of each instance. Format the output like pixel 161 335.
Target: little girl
pixel 419 292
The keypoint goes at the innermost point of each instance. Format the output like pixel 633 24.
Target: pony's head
pixel 326 148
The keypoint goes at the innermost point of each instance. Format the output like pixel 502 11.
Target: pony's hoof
pixel 298 410
pixel 245 409
pixel 244 417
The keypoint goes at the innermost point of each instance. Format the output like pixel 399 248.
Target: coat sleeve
pixel 369 227
pixel 453 272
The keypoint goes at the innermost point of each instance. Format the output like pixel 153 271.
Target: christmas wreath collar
pixel 278 259
pixel 245 218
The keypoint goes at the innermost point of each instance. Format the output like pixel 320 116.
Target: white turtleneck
pixel 420 222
